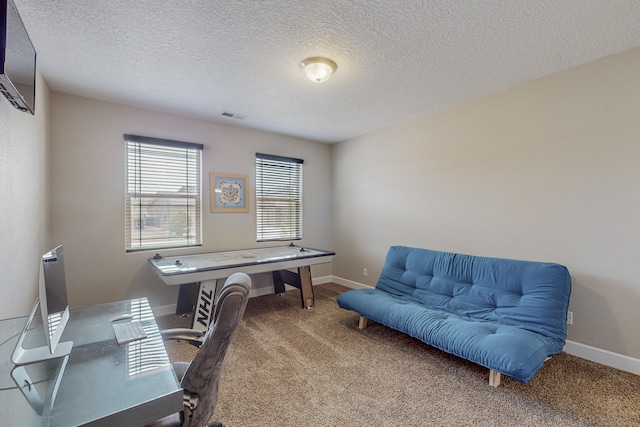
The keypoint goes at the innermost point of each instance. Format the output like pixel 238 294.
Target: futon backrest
pixel 527 294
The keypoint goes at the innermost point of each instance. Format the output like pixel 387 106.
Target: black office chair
pixel 200 378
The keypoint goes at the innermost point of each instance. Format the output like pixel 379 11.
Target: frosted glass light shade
pixel 318 69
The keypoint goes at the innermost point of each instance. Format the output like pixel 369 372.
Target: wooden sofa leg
pixel 362 323
pixel 494 378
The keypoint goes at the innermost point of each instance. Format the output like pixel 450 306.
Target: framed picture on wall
pixel 229 192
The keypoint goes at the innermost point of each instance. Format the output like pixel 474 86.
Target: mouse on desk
pixel 121 317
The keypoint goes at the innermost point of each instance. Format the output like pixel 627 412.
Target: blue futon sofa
pixel 506 315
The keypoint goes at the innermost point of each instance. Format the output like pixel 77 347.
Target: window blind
pixel 162 193
pixel 278 198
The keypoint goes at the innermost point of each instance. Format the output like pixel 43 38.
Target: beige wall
pixel 548 171
pixel 87 194
pixel 545 171
pixel 23 201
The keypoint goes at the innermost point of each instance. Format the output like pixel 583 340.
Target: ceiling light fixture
pixel 318 69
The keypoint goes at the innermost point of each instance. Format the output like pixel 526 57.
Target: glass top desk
pixel 102 383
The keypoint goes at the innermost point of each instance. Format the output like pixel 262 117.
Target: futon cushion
pixel 506 315
pixel 529 295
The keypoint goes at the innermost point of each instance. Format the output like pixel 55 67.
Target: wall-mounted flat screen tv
pixel 17 60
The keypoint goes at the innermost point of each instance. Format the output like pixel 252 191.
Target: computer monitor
pixel 54 311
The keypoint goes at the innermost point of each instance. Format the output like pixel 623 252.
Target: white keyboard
pixel 129 331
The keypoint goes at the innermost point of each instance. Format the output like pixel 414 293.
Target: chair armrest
pixel 191 335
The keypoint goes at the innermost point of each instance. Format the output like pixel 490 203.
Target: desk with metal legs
pixel 100 383
pixel 208 268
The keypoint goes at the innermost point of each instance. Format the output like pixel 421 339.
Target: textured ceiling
pixel 396 59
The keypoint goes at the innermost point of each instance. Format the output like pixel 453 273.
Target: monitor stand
pixel 27 386
pixel 23 356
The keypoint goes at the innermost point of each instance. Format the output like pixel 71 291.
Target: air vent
pixel 233 115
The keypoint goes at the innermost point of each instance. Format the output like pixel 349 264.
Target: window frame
pixel 140 171
pixel 271 202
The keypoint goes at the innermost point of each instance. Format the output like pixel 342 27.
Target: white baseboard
pixel 163 310
pixel 350 283
pixel 594 354
pixel 321 280
pixel 598 355
pixel 604 357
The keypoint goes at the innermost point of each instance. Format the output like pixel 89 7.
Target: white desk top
pixel 216 265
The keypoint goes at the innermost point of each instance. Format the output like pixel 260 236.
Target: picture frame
pixel 229 192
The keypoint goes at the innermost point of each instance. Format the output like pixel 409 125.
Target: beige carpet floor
pixel 292 367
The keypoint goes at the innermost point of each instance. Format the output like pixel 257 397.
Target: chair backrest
pixel 203 374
